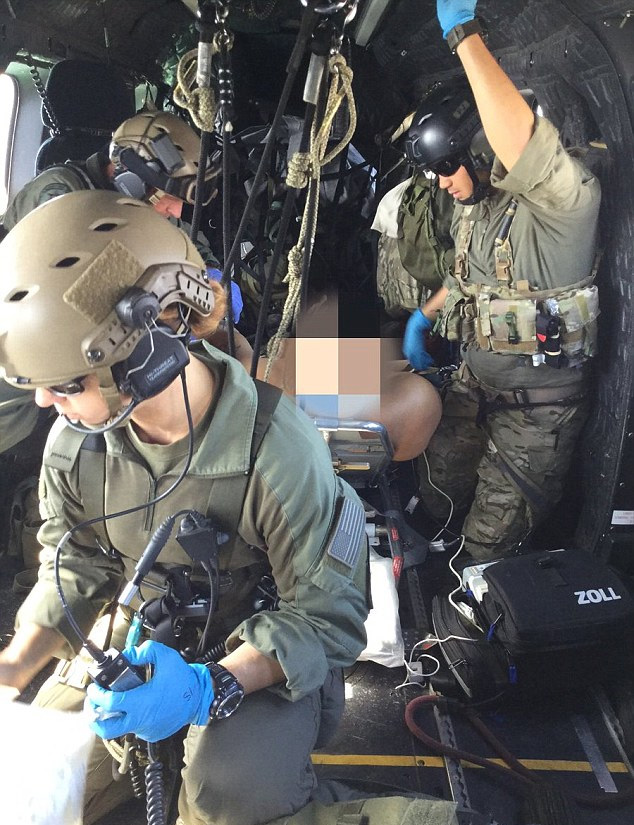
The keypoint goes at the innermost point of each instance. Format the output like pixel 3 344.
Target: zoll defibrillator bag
pixel 548 619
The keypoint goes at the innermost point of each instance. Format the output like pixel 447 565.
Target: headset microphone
pixel 109 425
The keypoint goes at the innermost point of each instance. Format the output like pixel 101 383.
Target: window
pixel 8 111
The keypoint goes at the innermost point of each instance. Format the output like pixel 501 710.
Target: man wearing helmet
pixel 520 300
pixel 104 277
pixel 153 156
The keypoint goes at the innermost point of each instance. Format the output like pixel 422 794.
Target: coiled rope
pixel 200 102
pixel 303 168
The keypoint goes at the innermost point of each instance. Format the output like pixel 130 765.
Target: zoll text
pixel 596 596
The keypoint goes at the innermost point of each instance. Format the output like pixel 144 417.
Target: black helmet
pixel 446 132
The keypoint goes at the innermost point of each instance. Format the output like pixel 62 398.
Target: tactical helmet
pixel 446 132
pixel 74 270
pixel 158 150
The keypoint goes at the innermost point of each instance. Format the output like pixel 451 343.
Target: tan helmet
pixel 158 150
pixel 70 271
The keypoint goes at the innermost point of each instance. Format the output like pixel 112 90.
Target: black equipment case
pixel 545 622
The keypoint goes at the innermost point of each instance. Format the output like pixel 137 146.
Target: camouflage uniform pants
pixel 509 472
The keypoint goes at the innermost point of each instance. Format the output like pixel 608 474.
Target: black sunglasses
pixel 445 168
pixel 73 387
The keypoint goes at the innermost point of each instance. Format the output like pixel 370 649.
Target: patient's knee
pixel 410 410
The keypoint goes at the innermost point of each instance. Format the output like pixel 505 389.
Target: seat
pixel 88 101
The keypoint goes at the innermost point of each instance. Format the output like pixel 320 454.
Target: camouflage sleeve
pixel 89 577
pixel 312 525
pixel 547 179
pixel 51 183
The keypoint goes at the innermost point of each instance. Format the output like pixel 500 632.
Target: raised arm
pixel 506 117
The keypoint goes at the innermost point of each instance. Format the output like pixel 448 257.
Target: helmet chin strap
pixel 119 413
pixel 480 190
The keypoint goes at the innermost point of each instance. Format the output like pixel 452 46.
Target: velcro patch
pixel 345 543
pixel 104 282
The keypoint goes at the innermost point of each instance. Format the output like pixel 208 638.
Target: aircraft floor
pixel 374 751
pixel 373 745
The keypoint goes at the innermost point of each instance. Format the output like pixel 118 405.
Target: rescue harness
pixel 555 326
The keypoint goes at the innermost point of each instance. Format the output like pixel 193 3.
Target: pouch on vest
pixel 449 323
pixel 505 325
pixel 579 313
pixel 424 222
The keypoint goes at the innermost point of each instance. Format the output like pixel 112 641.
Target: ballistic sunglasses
pixel 73 387
pixel 446 168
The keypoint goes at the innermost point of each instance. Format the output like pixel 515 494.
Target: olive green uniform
pixel 511 467
pixel 19 467
pixel 298 519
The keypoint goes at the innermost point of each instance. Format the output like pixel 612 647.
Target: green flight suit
pixel 298 519
pixel 511 469
pixel 74 177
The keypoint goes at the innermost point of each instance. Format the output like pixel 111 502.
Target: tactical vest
pixel 424 238
pixel 242 565
pixel 506 318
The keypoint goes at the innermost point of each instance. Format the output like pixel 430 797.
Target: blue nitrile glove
pixel 452 12
pixel 236 295
pixel 178 694
pixel 414 341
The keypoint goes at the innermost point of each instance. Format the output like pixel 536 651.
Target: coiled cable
pixel 155 804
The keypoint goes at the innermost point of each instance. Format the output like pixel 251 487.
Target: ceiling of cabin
pixel 137 33
pixel 536 40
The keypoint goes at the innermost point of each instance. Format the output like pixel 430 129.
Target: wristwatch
pixel 462 30
pixel 228 692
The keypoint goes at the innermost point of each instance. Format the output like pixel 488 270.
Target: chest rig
pixel 241 566
pixel 509 317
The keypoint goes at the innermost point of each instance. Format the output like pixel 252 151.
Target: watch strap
pixel 228 691
pixel 462 30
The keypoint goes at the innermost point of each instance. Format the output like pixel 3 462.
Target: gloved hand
pixel 452 12
pixel 414 341
pixel 236 296
pixel 178 694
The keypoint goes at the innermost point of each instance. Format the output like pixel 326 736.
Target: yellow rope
pixel 301 169
pixel 201 102
pixel 340 89
pixel 298 173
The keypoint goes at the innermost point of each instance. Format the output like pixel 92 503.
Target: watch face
pixel 229 704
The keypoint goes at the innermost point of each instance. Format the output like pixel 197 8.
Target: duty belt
pixel 491 401
pixel 536 396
